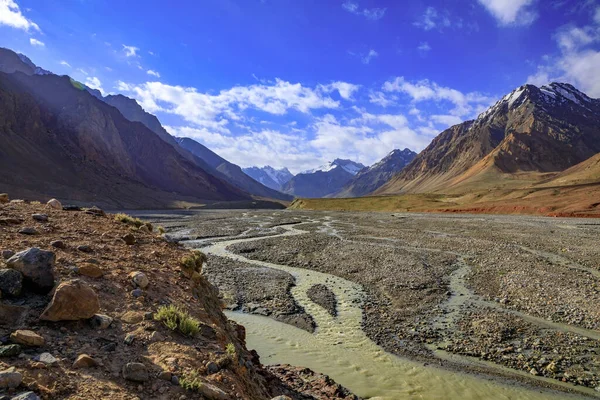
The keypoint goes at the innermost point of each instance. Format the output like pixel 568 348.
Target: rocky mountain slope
pixel 371 178
pixel 101 306
pixel 269 176
pixel 57 140
pixel 323 181
pixel 230 172
pixel 526 135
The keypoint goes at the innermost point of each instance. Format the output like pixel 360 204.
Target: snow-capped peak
pixel 347 165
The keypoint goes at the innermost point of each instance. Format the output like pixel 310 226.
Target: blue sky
pixel 297 83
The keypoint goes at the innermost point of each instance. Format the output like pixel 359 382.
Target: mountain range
pixel 323 181
pixel 269 176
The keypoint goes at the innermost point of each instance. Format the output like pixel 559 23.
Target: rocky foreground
pixel 94 306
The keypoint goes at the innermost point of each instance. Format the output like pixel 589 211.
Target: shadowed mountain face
pixel 323 181
pixel 528 133
pixel 269 176
pixel 58 140
pixel 230 172
pixel 370 179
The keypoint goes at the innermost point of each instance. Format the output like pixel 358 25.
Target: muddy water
pixel 340 348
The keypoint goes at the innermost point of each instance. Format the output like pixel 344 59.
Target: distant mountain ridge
pixel 269 176
pixel 323 181
pixel 371 178
pixel 528 133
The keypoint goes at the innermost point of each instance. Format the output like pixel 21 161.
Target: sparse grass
pixel 36 203
pixel 193 263
pixel 160 230
pixel 129 220
pixel 179 320
pixel 231 352
pixel 191 381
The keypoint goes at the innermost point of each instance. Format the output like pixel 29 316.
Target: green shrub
pixel 177 319
pixel 191 381
pixel 160 230
pixel 129 220
pixel 193 263
pixel 231 352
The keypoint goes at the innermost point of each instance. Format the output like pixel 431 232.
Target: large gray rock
pixel 136 372
pixel 37 267
pixel 73 300
pixel 10 379
pixel 11 282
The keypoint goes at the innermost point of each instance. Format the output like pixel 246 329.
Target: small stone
pixel 10 378
pixel 149 316
pixel 28 231
pixel 175 380
pixel 84 361
pixel 156 337
pixel 59 244
pixel 26 396
pixel 137 292
pixel 212 368
pixel 109 347
pixel 165 375
pixel 10 350
pixel 129 338
pixel 212 392
pixel 4 198
pixel 132 317
pixel 533 371
pixel 37 267
pixel 71 207
pixel 129 239
pixel 46 358
pixel 139 279
pixel 72 300
pixel 84 248
pixel 136 372
pixel 95 211
pixel 100 321
pixel 91 270
pixel 40 217
pixel 27 338
pixel 54 204
pixel 6 254
pixel 11 282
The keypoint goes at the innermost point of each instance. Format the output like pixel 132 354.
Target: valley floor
pixel 515 297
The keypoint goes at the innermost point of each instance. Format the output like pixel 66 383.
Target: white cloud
pixel 465 104
pixel 424 47
pixel 381 99
pixel 372 13
pixel 11 15
pixel 345 89
pixel 36 43
pixel 94 83
pixel 130 51
pixel 66 64
pixel 433 19
pixel 447 120
pixel 511 12
pixel 153 73
pixel 578 62
pixel 366 59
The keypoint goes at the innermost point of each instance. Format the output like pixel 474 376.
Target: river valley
pixel 426 306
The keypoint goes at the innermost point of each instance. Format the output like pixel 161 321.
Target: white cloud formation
pixel 36 43
pixel 597 15
pixel 424 47
pixel 465 104
pixel 10 15
pixel 153 73
pixel 65 64
pixel 433 19
pixel 511 12
pixel 381 99
pixel 372 13
pixel 130 51
pixel 366 59
pixel 447 120
pixel 94 83
pixel 578 61
pixel 345 89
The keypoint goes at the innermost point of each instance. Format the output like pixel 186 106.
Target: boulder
pixel 37 267
pixel 10 378
pixel 27 338
pixel 132 317
pixel 84 361
pixel 4 198
pixel 212 392
pixel 136 372
pixel 91 270
pixel 73 300
pixel 40 217
pixel 139 279
pixel 54 204
pixel 11 282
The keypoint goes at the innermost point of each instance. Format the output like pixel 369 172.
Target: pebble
pixel 10 350
pixel 135 371
pixel 6 254
pixel 46 358
pixel 40 217
pixel 59 244
pixel 139 279
pixel 84 248
pixel 28 231
pixel 100 321
pixel 84 361
pixel 129 338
